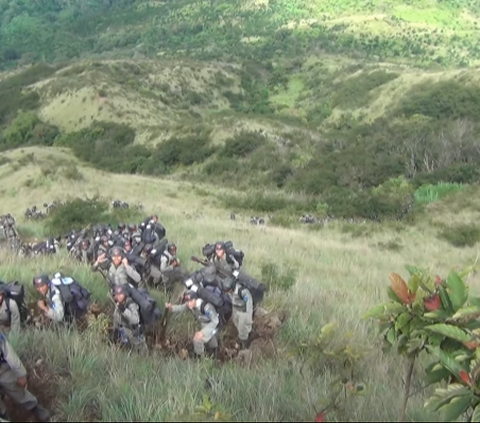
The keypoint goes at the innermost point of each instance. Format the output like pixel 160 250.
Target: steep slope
pixel 316 277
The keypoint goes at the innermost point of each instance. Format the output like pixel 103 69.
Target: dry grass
pixel 157 97
pixel 338 278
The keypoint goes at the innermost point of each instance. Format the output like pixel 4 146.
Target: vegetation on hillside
pixel 316 280
pixel 63 30
pixel 275 107
pixel 356 169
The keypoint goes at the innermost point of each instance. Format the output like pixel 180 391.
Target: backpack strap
pixel 7 305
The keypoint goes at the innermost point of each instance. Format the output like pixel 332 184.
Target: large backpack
pixel 160 247
pixel 149 311
pixel 256 288
pixel 216 297
pixel 74 295
pixel 230 251
pixel 16 291
pixel 160 231
pixel 208 250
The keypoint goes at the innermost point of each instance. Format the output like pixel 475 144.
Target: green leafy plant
pixel 212 410
pixel 339 352
pixel 438 317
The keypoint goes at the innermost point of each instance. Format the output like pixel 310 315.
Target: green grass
pixel 430 193
pixel 314 277
pixel 184 67
pixel 289 96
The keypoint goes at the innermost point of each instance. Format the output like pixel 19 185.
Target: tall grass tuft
pixel 427 194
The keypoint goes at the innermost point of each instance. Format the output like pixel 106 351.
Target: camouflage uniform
pixel 126 319
pixel 12 369
pixel 209 321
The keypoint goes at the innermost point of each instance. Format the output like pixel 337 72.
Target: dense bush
pixel 183 151
pixel 28 129
pixel 443 100
pixel 78 214
pixel 110 146
pixel 13 96
pixel 242 144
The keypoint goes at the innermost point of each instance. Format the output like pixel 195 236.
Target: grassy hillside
pixel 315 277
pixel 325 136
pixel 425 32
pixel 361 113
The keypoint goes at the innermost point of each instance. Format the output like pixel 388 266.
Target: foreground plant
pixel 338 351
pixel 438 317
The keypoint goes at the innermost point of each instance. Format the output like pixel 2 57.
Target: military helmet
pixel 116 251
pixel 119 289
pixel 40 280
pixel 190 295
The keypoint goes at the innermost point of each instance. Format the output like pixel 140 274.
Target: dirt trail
pixel 43 383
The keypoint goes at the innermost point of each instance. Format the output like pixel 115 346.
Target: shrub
pixel 438 316
pixel 242 145
pixel 79 214
pixel 443 100
pixel 72 173
pixel 184 151
pixel 28 129
pixel 12 96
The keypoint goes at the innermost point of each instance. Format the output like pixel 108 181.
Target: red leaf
pixel 432 303
pixel 464 376
pixel 472 345
pixel 321 417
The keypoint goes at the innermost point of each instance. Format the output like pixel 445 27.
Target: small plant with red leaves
pixel 438 317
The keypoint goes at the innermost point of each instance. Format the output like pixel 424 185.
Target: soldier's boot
pixel 41 414
pixel 4 416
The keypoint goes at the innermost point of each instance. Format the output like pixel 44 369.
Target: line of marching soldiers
pixel 216 293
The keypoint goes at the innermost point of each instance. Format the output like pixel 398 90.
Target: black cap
pixel 119 289
pixel 190 295
pixel 40 280
pixel 116 251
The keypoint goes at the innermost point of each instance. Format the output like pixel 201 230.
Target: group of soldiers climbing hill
pixel 130 258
